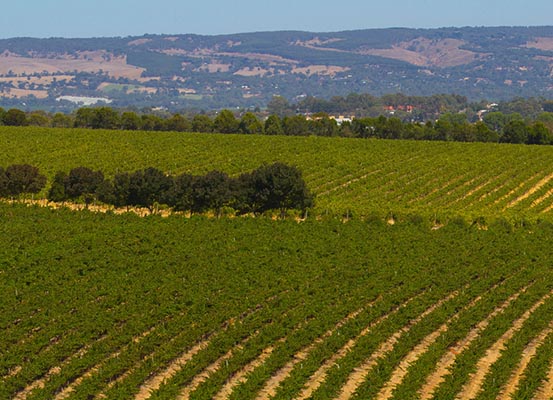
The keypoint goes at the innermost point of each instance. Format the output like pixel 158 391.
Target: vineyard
pixel 108 306
pixel 105 306
pixel 356 176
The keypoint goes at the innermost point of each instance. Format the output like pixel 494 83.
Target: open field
pixel 355 176
pixel 106 306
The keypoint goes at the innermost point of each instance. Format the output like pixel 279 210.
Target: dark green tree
pixel 57 190
pixel 152 123
pixel 296 125
pixel 202 123
pixel 83 182
pixel 148 187
pixel 211 192
pixel 60 120
pixel 515 132
pixel 24 178
pixel 84 118
pixel 4 191
pixel 179 196
pixel 273 125
pixel 538 134
pixel 178 123
pixel 130 121
pixel 105 118
pixel 15 117
pixel 249 124
pixel 277 187
pixel 225 122
pixel 121 191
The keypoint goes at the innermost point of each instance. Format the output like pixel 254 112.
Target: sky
pixel 103 18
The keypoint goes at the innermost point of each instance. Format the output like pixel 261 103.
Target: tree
pixel 148 187
pixel 105 118
pixel 84 118
pixel 57 190
pixel 211 192
pixel 249 124
pixel 178 123
pixel 202 123
pixel 3 183
pixel 130 121
pixel 484 134
pixel 24 178
pixel 515 132
pixel 538 134
pixel 15 117
pixel 38 118
pixel 83 182
pixel 151 123
pixel 225 122
pixel 295 126
pixel 279 106
pixel 120 194
pixel 273 125
pixel 322 125
pixel 179 196
pixel 60 120
pixel 277 187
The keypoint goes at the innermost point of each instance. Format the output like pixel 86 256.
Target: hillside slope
pixel 248 69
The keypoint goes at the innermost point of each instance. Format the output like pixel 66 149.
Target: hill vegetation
pixel 247 70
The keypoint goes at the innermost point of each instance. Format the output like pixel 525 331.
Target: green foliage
pixel 125 297
pixel 225 122
pixel 14 117
pixel 24 178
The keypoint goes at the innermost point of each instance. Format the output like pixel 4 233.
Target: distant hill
pixel 246 70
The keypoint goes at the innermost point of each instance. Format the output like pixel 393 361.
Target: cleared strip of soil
pixel 472 191
pixel 541 199
pixel 152 384
pixel 530 191
pixel 346 184
pixel 211 369
pixel 545 392
pixel 516 189
pixel 474 385
pixel 40 383
pixel 224 326
pixel 241 376
pixel 528 353
pixel 320 375
pixel 443 367
pixel 270 388
pixel 68 390
pixel 357 377
pixel 402 369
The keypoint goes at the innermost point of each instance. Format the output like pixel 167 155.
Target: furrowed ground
pixel 107 306
pixel 119 306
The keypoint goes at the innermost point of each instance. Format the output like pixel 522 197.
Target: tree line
pixel 492 126
pixel 18 179
pixel 274 186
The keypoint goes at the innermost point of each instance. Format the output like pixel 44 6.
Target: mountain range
pixel 247 70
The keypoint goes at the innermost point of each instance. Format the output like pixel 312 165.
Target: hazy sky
pixel 93 18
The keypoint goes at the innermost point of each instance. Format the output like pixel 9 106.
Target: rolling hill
pixel 246 70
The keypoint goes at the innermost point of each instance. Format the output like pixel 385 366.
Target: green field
pixel 106 306
pixel 358 176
